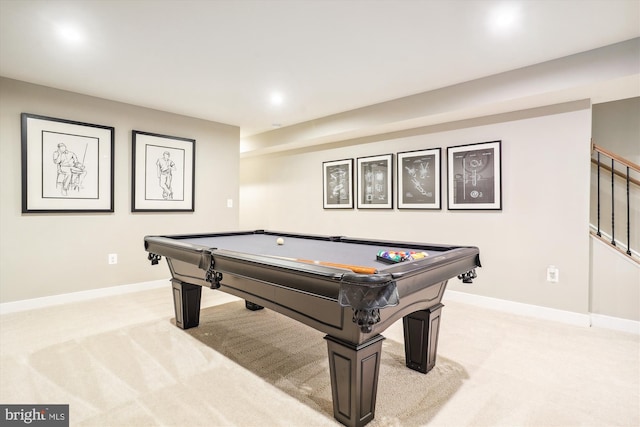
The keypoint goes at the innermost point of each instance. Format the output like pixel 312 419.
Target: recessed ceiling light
pixel 70 34
pixel 504 17
pixel 276 98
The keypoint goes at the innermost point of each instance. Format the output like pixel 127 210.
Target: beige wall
pixel 50 254
pixel 616 127
pixel 615 283
pixel 544 220
pixel 545 187
pixel 615 280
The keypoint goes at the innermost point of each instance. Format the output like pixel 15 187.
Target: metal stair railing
pixel 628 166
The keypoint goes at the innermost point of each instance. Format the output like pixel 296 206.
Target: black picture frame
pixel 419 179
pixel 474 176
pixel 337 184
pixel 163 173
pixel 375 182
pixel 67 166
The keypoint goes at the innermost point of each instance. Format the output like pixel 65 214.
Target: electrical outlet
pixel 229 203
pixel 553 274
pixel 113 258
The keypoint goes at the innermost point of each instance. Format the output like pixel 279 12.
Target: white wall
pixel 544 220
pixel 51 254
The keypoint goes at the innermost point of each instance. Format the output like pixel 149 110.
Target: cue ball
pixel 280 241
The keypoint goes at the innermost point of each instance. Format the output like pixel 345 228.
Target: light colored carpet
pixel 120 361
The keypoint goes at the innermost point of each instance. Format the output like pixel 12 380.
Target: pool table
pixel 344 287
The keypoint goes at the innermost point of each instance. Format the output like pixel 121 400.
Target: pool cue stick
pixel 355 268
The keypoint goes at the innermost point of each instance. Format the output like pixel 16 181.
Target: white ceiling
pixel 220 60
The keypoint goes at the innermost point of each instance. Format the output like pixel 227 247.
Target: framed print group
pixel 474 176
pixel 337 184
pixel 163 169
pixel 67 166
pixel 419 179
pixel 375 182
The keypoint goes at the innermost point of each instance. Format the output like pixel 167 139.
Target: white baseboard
pixel 35 303
pixel 568 317
pixel 512 307
pixel 578 319
pixel 616 323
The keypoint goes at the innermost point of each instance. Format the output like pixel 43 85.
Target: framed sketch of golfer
pixel 67 166
pixel 163 173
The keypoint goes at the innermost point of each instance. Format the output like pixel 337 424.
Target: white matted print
pixel 474 176
pixel 419 179
pixel 67 166
pixel 163 173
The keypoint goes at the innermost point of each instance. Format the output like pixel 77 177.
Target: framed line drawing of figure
pixel 375 182
pixel 419 179
pixel 163 171
pixel 67 166
pixel 474 178
pixel 337 184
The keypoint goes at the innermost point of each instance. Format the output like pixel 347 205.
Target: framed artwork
pixel 67 166
pixel 337 184
pixel 474 176
pixel 163 170
pixel 419 179
pixel 375 182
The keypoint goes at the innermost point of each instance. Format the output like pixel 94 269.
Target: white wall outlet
pixel 113 258
pixel 229 203
pixel 553 274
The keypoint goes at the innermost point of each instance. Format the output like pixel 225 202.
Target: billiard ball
pixel 280 241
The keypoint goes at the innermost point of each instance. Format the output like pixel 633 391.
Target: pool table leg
pixel 354 379
pixel 252 306
pixel 186 302
pixel 421 330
